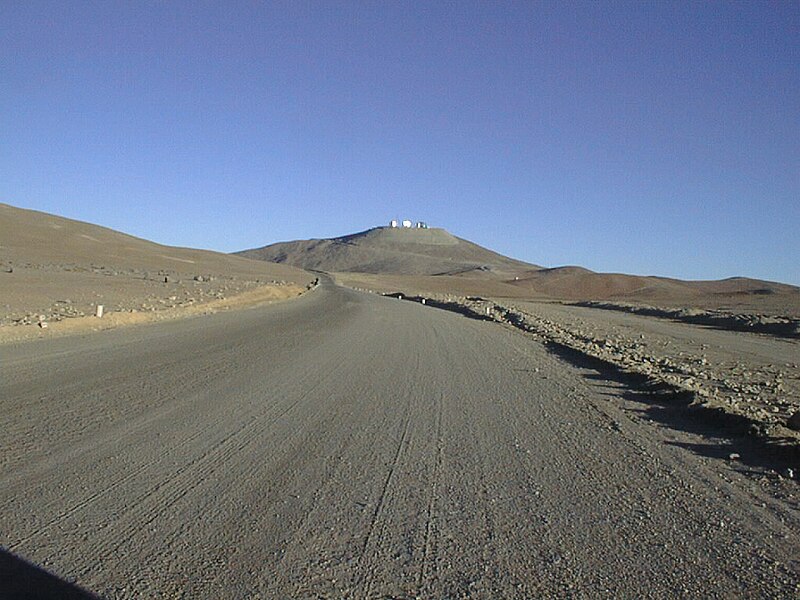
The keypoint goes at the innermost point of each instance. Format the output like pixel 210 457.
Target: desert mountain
pixel 398 251
pixel 436 260
pixel 30 238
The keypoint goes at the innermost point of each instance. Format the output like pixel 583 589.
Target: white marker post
pixel 99 312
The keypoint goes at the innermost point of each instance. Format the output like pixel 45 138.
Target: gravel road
pixel 345 445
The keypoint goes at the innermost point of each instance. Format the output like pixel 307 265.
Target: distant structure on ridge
pixel 406 224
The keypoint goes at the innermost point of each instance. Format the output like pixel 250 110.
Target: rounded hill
pixel 392 250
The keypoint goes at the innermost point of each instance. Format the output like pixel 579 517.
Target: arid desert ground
pixel 386 417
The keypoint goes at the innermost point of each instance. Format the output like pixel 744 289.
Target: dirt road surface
pixel 345 445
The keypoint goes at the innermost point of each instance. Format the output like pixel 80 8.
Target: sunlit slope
pixel 386 250
pixel 29 237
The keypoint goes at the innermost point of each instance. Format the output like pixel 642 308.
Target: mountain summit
pixel 393 250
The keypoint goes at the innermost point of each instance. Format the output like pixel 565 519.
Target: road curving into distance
pixel 345 445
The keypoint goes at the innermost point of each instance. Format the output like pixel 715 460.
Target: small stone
pixel 43 324
pixel 734 456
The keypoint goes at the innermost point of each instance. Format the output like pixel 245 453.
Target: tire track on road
pixel 429 545
pixel 157 501
pixel 376 523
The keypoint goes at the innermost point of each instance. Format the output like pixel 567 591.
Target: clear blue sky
pixel 643 137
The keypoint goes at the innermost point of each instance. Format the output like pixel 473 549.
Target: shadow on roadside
pixel 727 434
pixel 22 580
pixel 712 425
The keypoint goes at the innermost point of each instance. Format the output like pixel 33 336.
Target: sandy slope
pixel 28 236
pixel 55 269
pixel 345 445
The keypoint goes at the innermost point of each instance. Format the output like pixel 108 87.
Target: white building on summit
pixel 407 224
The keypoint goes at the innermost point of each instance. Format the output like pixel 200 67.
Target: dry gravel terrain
pixel 55 272
pixel 347 445
pixel 755 373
